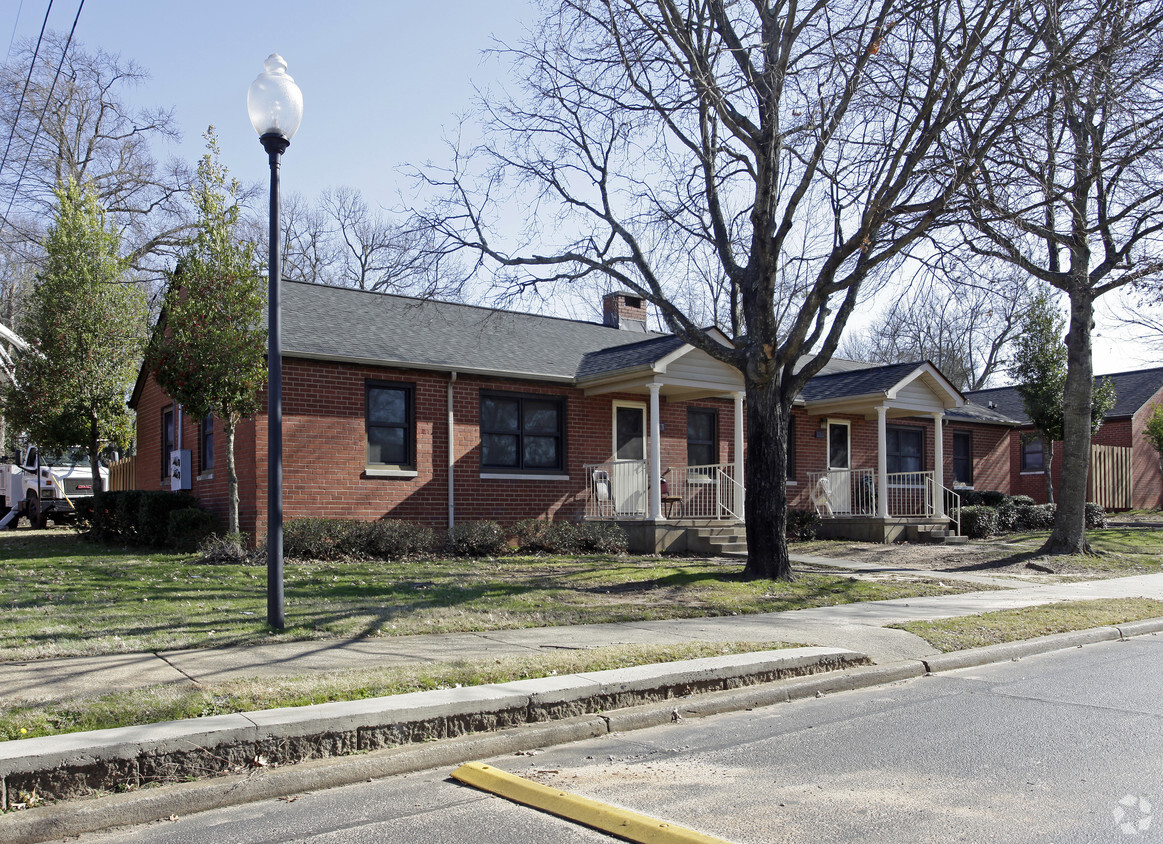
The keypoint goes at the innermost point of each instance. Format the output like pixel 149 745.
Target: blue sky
pixel 383 85
pixel 382 81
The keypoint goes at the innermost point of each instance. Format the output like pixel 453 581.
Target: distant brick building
pixel 1133 478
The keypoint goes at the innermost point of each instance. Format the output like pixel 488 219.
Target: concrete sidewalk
pixel 858 627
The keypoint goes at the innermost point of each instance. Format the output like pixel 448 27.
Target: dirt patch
pixel 1014 558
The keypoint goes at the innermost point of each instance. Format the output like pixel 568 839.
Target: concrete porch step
pixel 730 547
pixel 719 540
pixel 940 536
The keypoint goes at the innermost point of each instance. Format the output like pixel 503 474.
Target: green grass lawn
pixel 63 596
pixel 991 628
pixel 172 701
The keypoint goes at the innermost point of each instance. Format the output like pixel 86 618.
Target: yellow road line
pixel 621 822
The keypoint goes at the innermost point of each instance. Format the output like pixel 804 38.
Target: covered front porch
pixel 903 495
pixel 893 490
pixel 670 402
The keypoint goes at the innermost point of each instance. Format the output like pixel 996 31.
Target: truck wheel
pixel 37 518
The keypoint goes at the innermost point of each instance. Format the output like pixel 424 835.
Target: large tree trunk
pixel 1069 533
pixel 766 483
pixel 95 467
pixel 231 478
pixel 1048 468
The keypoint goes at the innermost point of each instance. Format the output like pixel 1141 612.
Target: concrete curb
pixel 1029 647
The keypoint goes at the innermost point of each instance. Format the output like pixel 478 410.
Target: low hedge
pixel 344 539
pixel 1020 513
pixel 802 525
pixel 544 536
pixel 388 539
pixel 188 528
pixel 137 515
pixel 477 539
pixel 979 521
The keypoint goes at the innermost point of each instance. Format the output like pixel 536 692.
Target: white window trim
pixel 388 472
pixel 635 405
pixel 530 476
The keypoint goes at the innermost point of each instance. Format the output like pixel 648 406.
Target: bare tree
pixel 1073 196
pixel 799 148
pixel 90 134
pixel 340 240
pixel 962 327
pixel 308 248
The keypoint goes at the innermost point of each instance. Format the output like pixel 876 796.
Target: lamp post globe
pixel 275 104
pixel 274 101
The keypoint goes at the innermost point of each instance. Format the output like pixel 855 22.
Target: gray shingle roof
pixel 341 323
pixel 1132 390
pixel 857 382
pixel 629 356
pixel 338 322
pixel 977 411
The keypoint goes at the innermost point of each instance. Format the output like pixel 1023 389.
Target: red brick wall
pixel 1118 432
pixel 325 450
pixel 990 450
pixel 991 455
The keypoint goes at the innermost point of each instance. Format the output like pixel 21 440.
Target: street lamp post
pixel 276 107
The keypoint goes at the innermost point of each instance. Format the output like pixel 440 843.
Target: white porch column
pixel 740 506
pixel 654 464
pixel 939 466
pixel 882 462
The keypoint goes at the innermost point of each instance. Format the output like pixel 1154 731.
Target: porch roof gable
pixel 903 388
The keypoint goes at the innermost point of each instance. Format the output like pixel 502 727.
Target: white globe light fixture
pixel 275 104
pixel 274 101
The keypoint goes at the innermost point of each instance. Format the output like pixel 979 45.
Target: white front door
pixel 840 465
pixel 628 477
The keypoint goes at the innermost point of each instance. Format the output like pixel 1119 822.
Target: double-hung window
pixel 905 450
pixel 963 458
pixel 522 433
pixel 206 444
pixel 1033 453
pixel 702 436
pixel 167 440
pixel 391 425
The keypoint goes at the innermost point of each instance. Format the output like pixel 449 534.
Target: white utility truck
pixel 45 485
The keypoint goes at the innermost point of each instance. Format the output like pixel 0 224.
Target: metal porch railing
pixel 619 489
pixel 853 492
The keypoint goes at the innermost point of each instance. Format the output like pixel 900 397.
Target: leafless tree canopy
pixel 88 132
pixel 1072 194
pixel 795 151
pixel 963 328
pixel 340 240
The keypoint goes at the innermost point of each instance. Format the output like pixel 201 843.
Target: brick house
pixel 443 413
pixel 1125 468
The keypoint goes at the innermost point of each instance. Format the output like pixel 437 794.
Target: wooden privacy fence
pixel 1111 479
pixel 123 474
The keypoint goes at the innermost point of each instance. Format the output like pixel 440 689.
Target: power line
pixel 24 90
pixel 44 108
pixel 15 26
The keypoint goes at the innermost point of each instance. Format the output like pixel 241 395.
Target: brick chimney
pixel 624 310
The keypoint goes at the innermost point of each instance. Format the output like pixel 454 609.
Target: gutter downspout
pixel 451 456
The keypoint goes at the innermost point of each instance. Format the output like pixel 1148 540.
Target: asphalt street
pixel 1063 747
